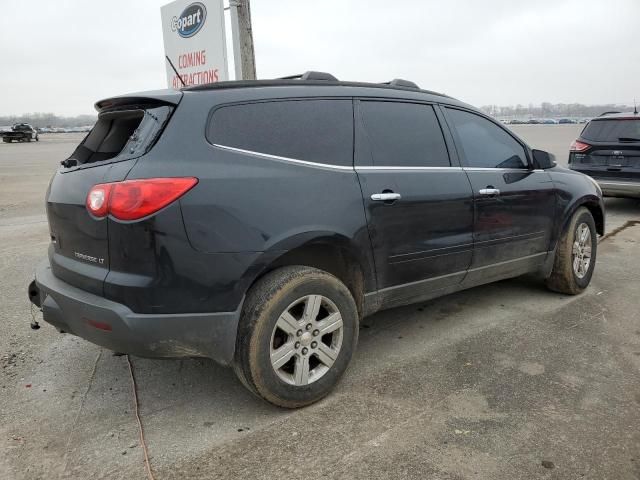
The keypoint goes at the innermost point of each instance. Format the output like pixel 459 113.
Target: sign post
pixel 243 54
pixel 194 42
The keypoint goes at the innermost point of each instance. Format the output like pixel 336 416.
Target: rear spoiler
pixel 155 97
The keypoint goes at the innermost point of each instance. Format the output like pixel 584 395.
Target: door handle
pixel 489 191
pixel 386 197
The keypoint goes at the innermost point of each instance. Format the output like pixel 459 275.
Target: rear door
pixel 418 204
pixel 514 204
pixel 79 248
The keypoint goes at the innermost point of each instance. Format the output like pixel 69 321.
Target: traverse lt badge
pixel 89 258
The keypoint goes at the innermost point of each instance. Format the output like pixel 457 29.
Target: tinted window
pixel 485 144
pixel 611 130
pixel 404 135
pixel 313 130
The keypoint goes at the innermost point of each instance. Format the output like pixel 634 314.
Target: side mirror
pixel 543 160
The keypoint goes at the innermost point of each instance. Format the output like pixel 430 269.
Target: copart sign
pixel 194 41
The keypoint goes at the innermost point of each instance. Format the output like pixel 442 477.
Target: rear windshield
pixel 120 134
pixel 614 130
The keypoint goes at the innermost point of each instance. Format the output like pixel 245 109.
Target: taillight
pixel 135 199
pixel 578 146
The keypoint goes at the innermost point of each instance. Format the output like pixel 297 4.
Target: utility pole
pixel 243 54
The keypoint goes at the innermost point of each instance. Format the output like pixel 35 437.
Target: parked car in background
pixel 564 121
pixel 549 121
pixel 608 150
pixel 20 132
pixel 256 223
pixel 533 121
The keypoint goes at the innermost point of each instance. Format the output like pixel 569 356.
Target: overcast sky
pixel 61 56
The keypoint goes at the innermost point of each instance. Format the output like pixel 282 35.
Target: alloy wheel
pixel 306 340
pixel 581 252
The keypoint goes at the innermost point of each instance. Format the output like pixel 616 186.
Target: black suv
pixel 20 132
pixel 256 223
pixel 608 150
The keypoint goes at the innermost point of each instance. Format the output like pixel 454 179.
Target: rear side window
pixel 404 134
pixel 612 130
pixel 120 135
pixel 484 144
pixel 312 130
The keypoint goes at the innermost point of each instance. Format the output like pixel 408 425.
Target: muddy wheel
pixel 575 255
pixel 297 333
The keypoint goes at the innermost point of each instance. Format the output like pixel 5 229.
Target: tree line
pixel 552 110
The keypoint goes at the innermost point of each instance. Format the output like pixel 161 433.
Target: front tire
pixel 575 255
pixel 297 333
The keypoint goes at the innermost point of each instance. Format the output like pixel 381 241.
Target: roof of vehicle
pixel 286 82
pixel 313 83
pixel 618 116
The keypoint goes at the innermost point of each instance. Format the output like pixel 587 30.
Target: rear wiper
pixel 628 139
pixel 69 162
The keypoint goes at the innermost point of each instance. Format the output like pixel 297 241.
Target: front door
pixel 514 204
pixel 419 206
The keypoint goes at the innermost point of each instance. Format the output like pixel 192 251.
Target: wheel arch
pixel 335 254
pixel 596 208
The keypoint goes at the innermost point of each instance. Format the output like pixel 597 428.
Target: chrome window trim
pixel 498 169
pixel 286 159
pixel 365 168
pixel 435 169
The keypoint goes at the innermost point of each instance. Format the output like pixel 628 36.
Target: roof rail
pixel 311 75
pixel 608 113
pixel 399 82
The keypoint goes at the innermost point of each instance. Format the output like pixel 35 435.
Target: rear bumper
pixel 616 188
pixel 114 326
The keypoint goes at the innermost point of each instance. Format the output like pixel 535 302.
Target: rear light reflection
pixel 99 325
pixel 136 199
pixel 98 200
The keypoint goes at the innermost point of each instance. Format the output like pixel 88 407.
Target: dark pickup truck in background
pixel 20 132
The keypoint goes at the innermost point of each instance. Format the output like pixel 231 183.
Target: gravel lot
pixel 505 381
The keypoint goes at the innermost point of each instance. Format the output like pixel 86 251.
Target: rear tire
pixel 297 333
pixel 575 255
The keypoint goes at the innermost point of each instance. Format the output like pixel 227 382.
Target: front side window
pixel 404 134
pixel 485 144
pixel 312 130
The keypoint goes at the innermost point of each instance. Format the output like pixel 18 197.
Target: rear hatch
pixel 126 129
pixel 609 148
